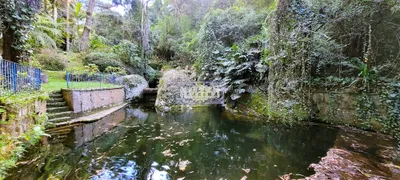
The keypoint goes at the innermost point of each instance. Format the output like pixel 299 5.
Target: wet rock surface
pixel 134 86
pixel 170 87
pixel 359 155
pixel 178 90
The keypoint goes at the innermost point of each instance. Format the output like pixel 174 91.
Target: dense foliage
pixel 16 18
pixel 285 49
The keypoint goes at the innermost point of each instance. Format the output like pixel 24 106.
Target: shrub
pixel 221 29
pixel 129 53
pixel 102 60
pixel 236 70
pixel 51 60
pixel 115 70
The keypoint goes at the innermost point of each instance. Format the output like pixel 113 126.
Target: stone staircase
pixel 57 109
pixel 150 95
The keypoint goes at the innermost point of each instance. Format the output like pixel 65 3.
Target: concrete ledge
pixel 92 89
pixel 86 100
pixel 93 117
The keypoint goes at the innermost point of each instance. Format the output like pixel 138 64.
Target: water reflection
pixel 138 143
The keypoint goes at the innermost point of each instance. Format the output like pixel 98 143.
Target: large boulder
pixel 134 86
pixel 169 92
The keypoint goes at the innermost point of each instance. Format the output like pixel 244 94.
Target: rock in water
pixel 134 86
pixel 178 90
pixel 170 87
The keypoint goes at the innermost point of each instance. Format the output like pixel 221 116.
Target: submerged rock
pixel 134 86
pixel 365 156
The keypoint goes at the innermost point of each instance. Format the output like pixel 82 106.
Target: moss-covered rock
pixel 169 92
pixel 134 86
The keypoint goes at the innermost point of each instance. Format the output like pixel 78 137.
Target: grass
pixel 74 60
pixel 57 82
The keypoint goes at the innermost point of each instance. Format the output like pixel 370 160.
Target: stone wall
pixel 88 132
pixel 23 120
pixel 341 108
pixel 81 101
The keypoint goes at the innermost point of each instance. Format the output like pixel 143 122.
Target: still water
pixel 138 143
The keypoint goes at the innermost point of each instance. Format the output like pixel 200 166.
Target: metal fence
pixel 79 80
pixel 15 78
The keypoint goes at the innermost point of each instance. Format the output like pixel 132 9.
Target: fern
pixel 46 33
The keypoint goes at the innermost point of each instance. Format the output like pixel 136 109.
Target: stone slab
pixel 93 117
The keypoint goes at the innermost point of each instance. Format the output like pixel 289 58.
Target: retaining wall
pixel 341 108
pixel 89 132
pixel 24 119
pixel 81 101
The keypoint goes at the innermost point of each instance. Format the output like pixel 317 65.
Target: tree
pixel 145 29
pixel 86 31
pixel 16 18
pixel 67 41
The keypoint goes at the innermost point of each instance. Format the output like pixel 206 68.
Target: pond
pixel 138 143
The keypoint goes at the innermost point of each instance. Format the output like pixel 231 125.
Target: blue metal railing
pixel 79 80
pixel 15 78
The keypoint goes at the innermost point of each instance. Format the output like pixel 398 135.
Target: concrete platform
pixel 93 117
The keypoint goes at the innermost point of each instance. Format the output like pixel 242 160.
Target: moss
pixel 259 103
pixel 22 99
pixel 11 147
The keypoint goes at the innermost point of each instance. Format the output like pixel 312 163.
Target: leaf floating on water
pixel 157 138
pixel 246 171
pixel 183 164
pixel 166 167
pixel 286 176
pixel 177 133
pixel 154 164
pixel 168 153
pixel 183 142
pixel 244 178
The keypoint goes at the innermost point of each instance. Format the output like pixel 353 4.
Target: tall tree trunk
pixel 86 31
pixel 45 8
pixel 145 31
pixel 9 52
pixel 67 43
pixel 55 12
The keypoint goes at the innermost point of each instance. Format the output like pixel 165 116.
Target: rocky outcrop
pixel 359 155
pixel 168 95
pixel 178 89
pixel 134 86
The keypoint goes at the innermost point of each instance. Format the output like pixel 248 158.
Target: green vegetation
pixel 12 146
pixel 274 55
pixel 57 81
pixel 285 49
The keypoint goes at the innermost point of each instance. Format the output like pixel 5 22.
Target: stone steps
pixel 60 119
pixel 150 91
pixel 54 100
pixel 56 95
pixel 56 104
pixel 60 114
pixel 60 109
pixel 57 109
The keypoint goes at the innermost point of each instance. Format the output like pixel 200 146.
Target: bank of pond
pixel 205 143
